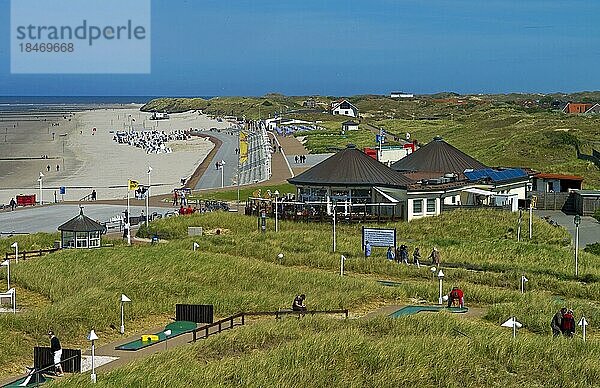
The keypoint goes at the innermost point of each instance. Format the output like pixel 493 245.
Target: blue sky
pixel 330 47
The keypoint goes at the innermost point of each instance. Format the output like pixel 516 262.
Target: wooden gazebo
pixel 81 232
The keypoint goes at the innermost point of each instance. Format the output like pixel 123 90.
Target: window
pixel 82 240
pixel 430 205
pixel 417 206
pixel 453 199
pixel 94 239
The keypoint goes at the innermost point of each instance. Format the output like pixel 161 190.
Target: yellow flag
pixel 243 147
pixel 133 185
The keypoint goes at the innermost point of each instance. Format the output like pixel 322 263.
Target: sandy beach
pixel 81 159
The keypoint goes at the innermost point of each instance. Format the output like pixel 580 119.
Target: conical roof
pixel 437 156
pixel 81 223
pixel 351 167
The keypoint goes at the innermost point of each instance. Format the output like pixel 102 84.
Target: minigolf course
pixel 177 328
pixel 410 310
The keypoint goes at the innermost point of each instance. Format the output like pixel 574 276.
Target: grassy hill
pixel 496 129
pixel 72 292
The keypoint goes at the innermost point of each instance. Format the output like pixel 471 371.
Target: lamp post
pixel 276 200
pixel 577 221
pixel 41 192
pixel 16 246
pixel 195 246
pixel 342 259
pixel 124 299
pixel 93 337
pixel 433 269
pixel 334 221
pixel 523 281
pixel 441 278
pixel 148 196
pixel 6 263
pixel 222 166
pixel 167 334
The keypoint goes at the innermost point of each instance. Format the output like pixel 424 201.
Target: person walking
pixel 417 257
pixel 404 254
pixel 56 352
pixel 13 204
pixel 567 326
pixel 391 255
pixel 556 322
pixel 435 257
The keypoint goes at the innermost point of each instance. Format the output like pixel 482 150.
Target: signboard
pixel 378 237
pixel 63 190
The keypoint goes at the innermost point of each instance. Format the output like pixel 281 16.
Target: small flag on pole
pixel 133 185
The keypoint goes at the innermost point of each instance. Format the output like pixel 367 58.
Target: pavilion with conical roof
pixel 81 232
pixel 437 156
pixel 349 175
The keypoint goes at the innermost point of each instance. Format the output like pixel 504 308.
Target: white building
pixel 401 95
pixel 344 108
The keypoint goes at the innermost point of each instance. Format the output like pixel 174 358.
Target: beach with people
pixel 97 149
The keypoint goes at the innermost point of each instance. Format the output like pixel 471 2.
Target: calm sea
pixel 41 103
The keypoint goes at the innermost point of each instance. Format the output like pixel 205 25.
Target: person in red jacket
pixel 456 294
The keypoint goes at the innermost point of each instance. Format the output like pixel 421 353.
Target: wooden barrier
pixel 242 317
pixel 43 360
pixel 23 255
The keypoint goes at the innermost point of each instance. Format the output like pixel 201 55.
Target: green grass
pixel 232 195
pixel 237 270
pixel 494 129
pixel 422 350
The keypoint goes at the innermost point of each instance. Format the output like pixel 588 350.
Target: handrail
pixel 242 315
pixel 41 371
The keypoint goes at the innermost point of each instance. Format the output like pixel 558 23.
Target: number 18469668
pixel 46 47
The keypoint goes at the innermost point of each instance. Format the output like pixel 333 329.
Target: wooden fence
pixel 230 322
pixel 554 201
pixel 23 255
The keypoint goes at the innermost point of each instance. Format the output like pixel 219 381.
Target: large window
pixel 82 240
pixel 94 239
pixel 430 205
pixel 68 240
pixel 417 206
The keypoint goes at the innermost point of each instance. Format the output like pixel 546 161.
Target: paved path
pixel 48 218
pixel 589 229
pixel 212 177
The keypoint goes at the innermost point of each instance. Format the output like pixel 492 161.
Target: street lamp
pixel 124 299
pixel 276 198
pixel 167 334
pixel 222 166
pixel 16 246
pixel 342 259
pixel 441 278
pixel 148 195
pixel 6 263
pixel 433 269
pixel 41 192
pixel 523 281
pixel 577 221
pixel 93 337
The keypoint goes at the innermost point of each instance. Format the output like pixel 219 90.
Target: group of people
pixel 300 159
pixel 179 198
pixel 563 322
pixel 153 142
pixel 401 255
pixel 187 210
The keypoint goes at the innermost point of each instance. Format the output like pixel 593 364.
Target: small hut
pixel 81 232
